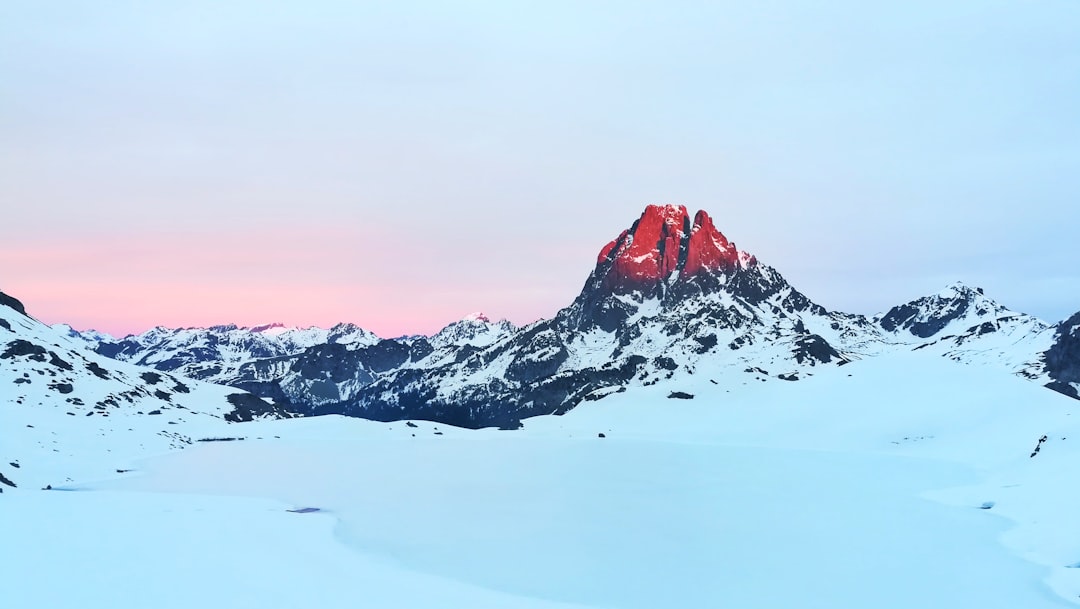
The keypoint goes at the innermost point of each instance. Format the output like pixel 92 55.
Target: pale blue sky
pixel 404 163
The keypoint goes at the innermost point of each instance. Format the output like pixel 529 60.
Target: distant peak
pixel 959 288
pixel 477 316
pixel 665 242
pixel 274 328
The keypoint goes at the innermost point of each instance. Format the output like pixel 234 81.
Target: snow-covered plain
pixel 860 487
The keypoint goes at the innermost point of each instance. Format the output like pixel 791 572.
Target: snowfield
pixel 863 486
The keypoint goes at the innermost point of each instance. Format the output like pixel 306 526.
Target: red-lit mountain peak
pixel 664 242
pixel 710 250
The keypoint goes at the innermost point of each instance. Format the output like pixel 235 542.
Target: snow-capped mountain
pixel 474 329
pixel 963 324
pixel 93 338
pixel 953 312
pixel 215 354
pixel 63 402
pixel 669 297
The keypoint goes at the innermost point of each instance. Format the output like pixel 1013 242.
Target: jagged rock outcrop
pixel 1062 359
pixel 12 303
pixel 663 246
pixel 667 260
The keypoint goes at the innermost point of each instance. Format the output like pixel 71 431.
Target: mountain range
pixel 735 424
pixel 669 298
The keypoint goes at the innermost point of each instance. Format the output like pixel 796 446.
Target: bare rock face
pixel 14 303
pixel 929 315
pixel 668 257
pixel 664 245
pixel 1063 358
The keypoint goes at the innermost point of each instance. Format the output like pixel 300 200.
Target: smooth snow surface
pixel 858 488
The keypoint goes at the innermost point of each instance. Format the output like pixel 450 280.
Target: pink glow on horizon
pixel 125 285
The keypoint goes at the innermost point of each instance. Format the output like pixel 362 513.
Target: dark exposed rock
pixel 12 302
pixel 25 348
pixel 246 407
pixel 270 390
pixel 929 315
pixel 812 347
pixel 680 395
pixel 706 342
pixel 665 363
pixel 115 350
pixel 1064 389
pixel 1062 359
pixel 55 360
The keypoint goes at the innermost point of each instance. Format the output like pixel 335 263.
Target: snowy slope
pixel 862 486
pixel 68 412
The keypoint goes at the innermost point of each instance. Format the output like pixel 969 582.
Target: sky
pixel 402 164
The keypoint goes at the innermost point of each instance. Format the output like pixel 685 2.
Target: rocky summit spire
pixel 667 256
pixel 664 244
